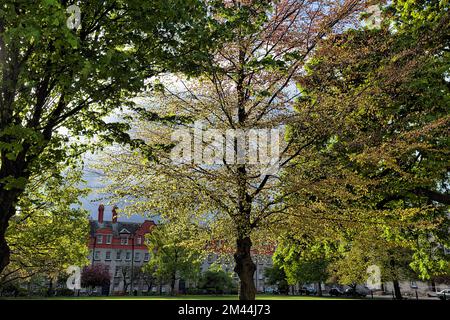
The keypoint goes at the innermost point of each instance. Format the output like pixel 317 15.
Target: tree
pixel 170 259
pixel 147 274
pixel 216 280
pixel 95 275
pixel 304 260
pixel 381 167
pixel 245 85
pixel 58 82
pixel 48 233
pixel 277 277
pixel 128 275
pixel 369 252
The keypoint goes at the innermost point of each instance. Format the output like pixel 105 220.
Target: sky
pixel 93 200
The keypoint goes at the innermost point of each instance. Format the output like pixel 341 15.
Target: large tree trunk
pixel 7 210
pixel 4 249
pixel 8 199
pixel 245 268
pixel 397 292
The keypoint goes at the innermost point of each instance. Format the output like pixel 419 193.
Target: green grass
pixel 189 297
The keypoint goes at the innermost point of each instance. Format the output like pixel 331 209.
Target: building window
pixel 99 239
pixel 97 255
pixel 414 285
pixel 128 255
pixel 137 256
pixel 139 240
pixel 109 239
pixel 118 255
pixel 108 256
pixel 124 241
pixel 146 256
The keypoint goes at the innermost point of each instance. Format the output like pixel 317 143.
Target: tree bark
pixel 7 210
pixel 4 249
pixel 319 289
pixel 9 197
pixel 50 288
pixel 397 292
pixel 245 268
pixel 172 284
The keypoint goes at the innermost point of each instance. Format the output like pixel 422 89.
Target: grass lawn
pixel 189 297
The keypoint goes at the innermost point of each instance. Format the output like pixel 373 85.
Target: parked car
pixel 307 291
pixel 444 294
pixel 351 292
pixel 335 292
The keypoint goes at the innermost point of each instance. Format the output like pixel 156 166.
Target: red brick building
pixel 119 246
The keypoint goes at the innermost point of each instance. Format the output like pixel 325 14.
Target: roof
pixel 132 227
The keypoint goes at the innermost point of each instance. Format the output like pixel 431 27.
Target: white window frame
pixel 146 256
pixel 118 255
pixel 124 241
pixel 139 241
pixel 96 255
pixel 108 255
pixel 128 256
pixel 108 238
pixel 137 256
pixel 99 239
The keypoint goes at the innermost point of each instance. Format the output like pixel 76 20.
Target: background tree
pixel 147 274
pixel 48 233
pixel 382 163
pixel 170 259
pixel 304 260
pixel 129 275
pixel 247 84
pixel 276 276
pixel 216 280
pixel 58 82
pixel 367 249
pixel 95 275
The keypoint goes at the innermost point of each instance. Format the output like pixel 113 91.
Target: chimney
pixel 101 210
pixel 114 214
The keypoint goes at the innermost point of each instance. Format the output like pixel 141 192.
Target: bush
pixel 193 291
pixel 216 282
pixel 64 292
pixel 95 276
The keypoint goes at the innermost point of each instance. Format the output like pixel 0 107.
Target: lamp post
pixel 93 250
pixel 132 264
pixel 128 236
pixel 256 269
